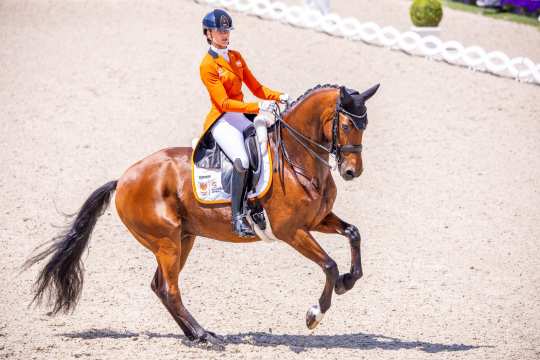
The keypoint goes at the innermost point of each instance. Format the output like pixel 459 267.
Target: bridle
pixel 336 149
pixel 359 121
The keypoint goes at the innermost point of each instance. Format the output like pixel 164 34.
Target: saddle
pixel 212 173
pixel 208 155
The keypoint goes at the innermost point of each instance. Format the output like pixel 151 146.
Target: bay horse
pixel 155 201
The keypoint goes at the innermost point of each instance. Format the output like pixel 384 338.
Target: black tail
pixel 62 277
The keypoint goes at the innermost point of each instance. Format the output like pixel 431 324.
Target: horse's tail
pixel 62 277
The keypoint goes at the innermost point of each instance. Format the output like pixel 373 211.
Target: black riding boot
pixel 238 200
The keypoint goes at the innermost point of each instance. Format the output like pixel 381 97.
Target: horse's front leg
pixel 304 243
pixel 332 224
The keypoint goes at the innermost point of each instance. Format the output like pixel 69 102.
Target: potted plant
pixel 426 16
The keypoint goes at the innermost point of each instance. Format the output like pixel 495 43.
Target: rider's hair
pixel 205 32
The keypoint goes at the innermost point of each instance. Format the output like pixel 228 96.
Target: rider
pixel 222 71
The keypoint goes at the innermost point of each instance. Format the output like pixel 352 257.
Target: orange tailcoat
pixel 223 81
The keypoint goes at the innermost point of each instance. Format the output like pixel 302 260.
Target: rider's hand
pixel 267 105
pixel 284 98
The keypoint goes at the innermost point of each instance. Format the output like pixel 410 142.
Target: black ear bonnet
pixel 354 107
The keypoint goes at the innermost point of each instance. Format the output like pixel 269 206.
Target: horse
pixel 155 201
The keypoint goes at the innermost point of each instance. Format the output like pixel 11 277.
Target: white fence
pixel 452 52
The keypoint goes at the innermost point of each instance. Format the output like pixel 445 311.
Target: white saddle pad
pixel 209 190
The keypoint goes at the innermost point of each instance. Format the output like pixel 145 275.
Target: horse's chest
pixel 303 201
pixel 318 207
pixel 325 207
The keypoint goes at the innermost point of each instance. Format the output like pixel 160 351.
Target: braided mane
pixel 308 92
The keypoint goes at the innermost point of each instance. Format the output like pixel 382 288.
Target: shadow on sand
pixel 296 343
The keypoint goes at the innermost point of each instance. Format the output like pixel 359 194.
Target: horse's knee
pixel 353 234
pixel 331 269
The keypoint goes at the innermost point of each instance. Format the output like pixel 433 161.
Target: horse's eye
pixel 345 127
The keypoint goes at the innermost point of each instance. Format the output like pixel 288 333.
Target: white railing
pixel 452 52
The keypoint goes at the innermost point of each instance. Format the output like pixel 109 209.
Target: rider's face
pixel 220 39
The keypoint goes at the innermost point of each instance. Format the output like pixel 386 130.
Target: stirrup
pixel 258 218
pixel 241 227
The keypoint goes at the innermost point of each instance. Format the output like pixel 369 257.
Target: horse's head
pixel 346 129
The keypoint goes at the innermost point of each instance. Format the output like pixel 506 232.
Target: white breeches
pixel 228 132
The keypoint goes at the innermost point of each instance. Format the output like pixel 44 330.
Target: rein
pixel 335 149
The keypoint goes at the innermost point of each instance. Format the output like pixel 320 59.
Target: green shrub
pixel 426 12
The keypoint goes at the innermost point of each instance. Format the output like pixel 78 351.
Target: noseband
pixel 336 149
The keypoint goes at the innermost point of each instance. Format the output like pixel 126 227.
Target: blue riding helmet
pixel 217 19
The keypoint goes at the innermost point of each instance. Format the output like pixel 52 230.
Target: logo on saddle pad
pixel 204 187
pixel 208 186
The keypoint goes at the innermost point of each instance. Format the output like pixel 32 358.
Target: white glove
pixel 267 105
pixel 262 134
pixel 284 98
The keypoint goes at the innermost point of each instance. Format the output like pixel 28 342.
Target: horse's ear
pixel 344 95
pixel 370 92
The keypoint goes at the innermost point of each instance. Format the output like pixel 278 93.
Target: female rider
pixel 222 72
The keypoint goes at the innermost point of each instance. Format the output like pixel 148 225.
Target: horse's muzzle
pixel 349 174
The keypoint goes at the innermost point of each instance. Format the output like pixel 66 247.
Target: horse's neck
pixel 308 117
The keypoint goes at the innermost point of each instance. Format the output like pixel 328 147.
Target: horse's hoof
pixel 314 316
pixel 211 340
pixel 340 288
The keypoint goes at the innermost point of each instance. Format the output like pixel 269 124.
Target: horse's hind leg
pixel 186 245
pixel 334 225
pixel 171 258
pixel 304 243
